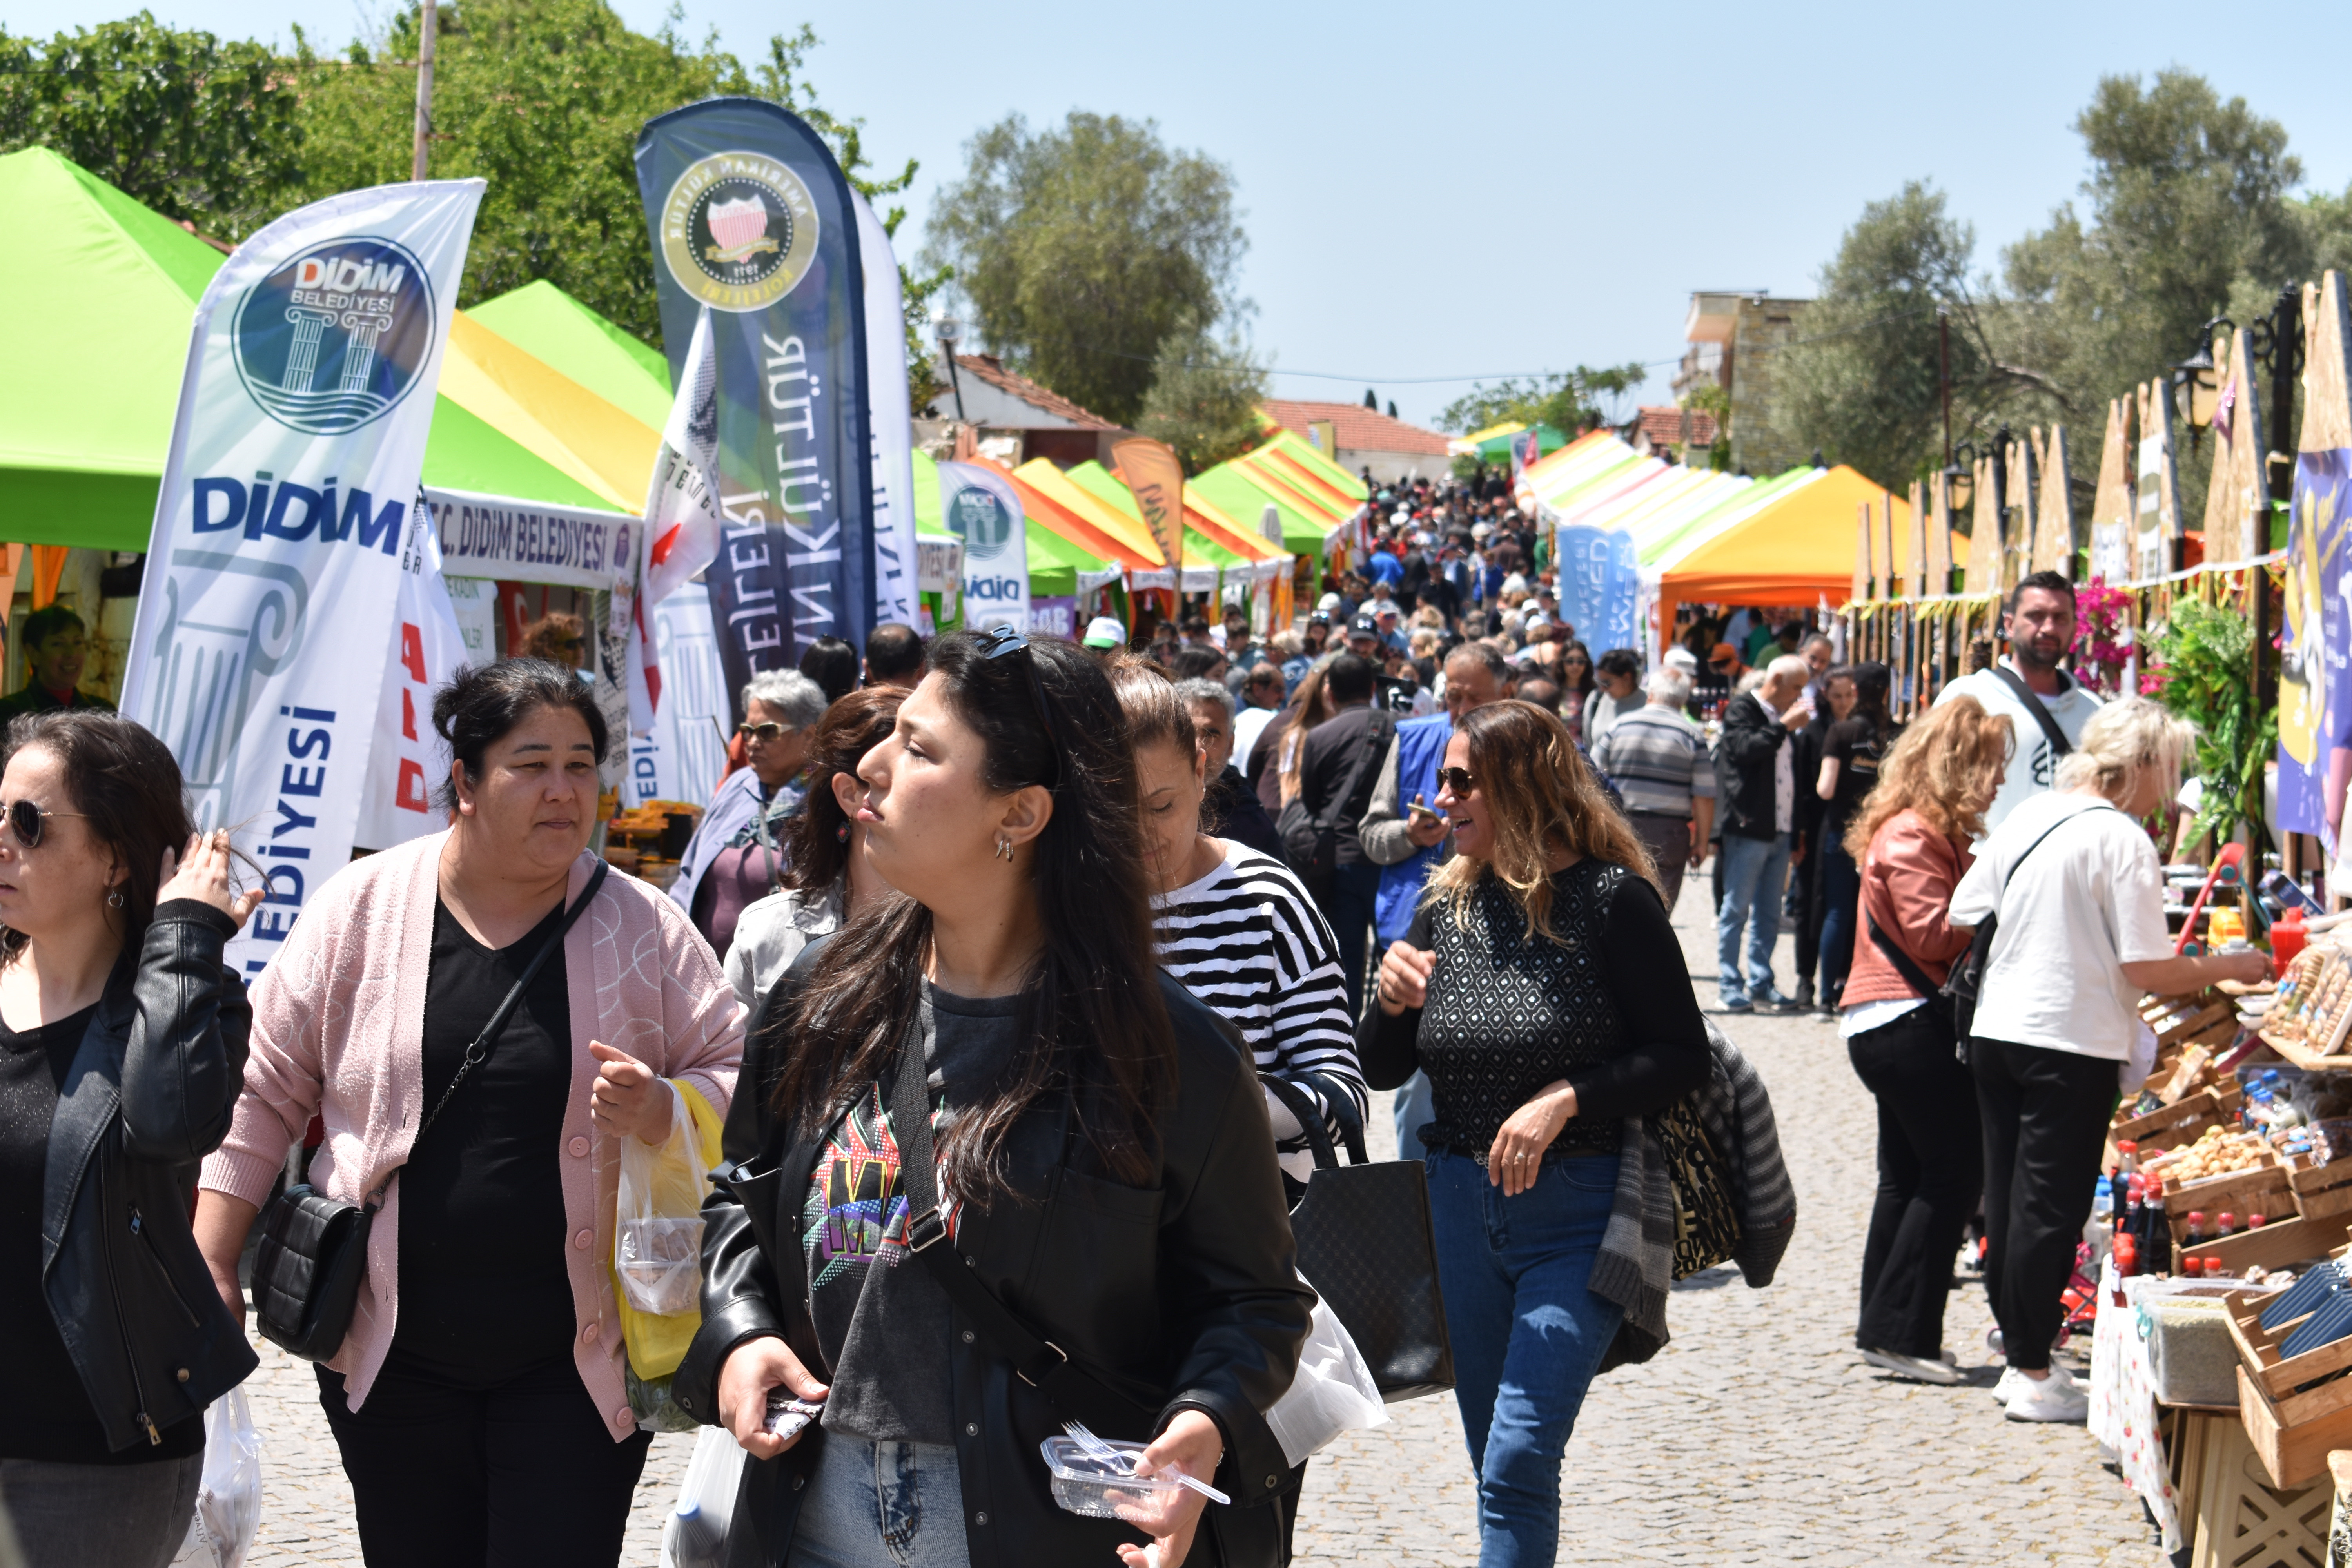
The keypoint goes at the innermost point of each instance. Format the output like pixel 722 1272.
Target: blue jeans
pixel 1415 1109
pixel 1354 889
pixel 1754 869
pixel 1527 1335
pixel 1841 922
pixel 881 1505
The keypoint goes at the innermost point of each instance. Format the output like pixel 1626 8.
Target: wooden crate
pixel 2245 1519
pixel 2278 1376
pixel 2278 1245
pixel 2171 1126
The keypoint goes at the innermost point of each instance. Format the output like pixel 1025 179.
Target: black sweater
pixel 1607 1007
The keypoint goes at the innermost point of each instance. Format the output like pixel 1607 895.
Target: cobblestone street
pixel 1757 1436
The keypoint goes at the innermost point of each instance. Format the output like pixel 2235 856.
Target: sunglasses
pixel 762 734
pixel 26 820
pixel 1459 781
pixel 1004 642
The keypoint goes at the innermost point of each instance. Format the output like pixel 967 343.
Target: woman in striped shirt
pixel 1237 929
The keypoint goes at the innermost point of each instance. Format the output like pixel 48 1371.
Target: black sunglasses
pixel 1006 641
pixel 1459 781
pixel 26 820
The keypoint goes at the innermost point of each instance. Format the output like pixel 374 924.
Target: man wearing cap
pixel 1386 622
pixel 1104 632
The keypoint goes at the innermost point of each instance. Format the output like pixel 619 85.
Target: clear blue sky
pixel 1448 191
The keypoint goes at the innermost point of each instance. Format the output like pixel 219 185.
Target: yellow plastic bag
pixel 675 1180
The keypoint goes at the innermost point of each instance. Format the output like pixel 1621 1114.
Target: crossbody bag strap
pixel 2009 877
pixel 1037 1361
pixel 1905 964
pixel 479 1051
pixel 2059 744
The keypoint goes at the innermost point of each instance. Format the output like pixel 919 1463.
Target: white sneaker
pixel 2057 1397
pixel 1914 1367
pixel 2010 1378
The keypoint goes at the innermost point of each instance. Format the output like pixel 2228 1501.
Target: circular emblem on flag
pixel 738 231
pixel 333 338
pixel 980 517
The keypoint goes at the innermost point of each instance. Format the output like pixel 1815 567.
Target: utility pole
pixel 428 29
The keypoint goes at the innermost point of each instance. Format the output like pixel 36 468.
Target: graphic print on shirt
pixel 855 1212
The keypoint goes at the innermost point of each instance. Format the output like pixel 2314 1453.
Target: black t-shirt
pixel 1857 743
pixel 52 1419
pixel 484 1290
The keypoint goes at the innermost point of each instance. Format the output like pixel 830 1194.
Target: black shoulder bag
pixel 2059 744
pixel 1311 843
pixel 1966 983
pixel 313 1249
pixel 1366 1246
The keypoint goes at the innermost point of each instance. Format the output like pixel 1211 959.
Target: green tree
pixel 1085 248
pixel 202 131
pixel 1204 398
pixel 1568 401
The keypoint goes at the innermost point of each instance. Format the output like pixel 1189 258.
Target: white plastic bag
pixel 657 1241
pixel 1333 1393
pixel 228 1500
pixel 695 1534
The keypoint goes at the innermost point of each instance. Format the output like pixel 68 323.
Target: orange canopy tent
pixel 1796 551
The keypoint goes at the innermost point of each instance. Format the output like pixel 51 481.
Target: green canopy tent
pixel 102 294
pixel 1497 448
pixel 1057 568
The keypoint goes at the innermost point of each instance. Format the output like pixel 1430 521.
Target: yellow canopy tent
pixel 1795 551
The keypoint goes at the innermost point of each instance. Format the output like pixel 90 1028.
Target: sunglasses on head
pixel 26 821
pixel 1459 781
pixel 762 734
pixel 1004 642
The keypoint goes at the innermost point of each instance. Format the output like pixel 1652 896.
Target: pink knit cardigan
pixel 338 1030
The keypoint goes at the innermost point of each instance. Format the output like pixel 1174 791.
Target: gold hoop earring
pixel 1004 848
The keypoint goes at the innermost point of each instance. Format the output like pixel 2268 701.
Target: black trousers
pixel 2045 1120
pixel 511 1474
pixel 1805 909
pixel 1930 1170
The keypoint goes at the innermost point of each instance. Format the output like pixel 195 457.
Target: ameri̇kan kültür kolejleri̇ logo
pixel 334 337
pixel 738 231
pixel 979 517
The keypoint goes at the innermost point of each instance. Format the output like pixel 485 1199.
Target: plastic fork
pixel 1097 1448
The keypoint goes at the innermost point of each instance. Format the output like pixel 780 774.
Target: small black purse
pixel 1365 1244
pixel 313 1250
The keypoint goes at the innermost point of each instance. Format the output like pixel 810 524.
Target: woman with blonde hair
pixel 1546 997
pixel 2076 883
pixel 1910 837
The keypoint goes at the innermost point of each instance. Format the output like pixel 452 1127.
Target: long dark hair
pixel 1092 1023
pixel 127 787
pixel 850 728
pixel 1872 682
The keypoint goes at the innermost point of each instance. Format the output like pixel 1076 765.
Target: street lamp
pixel 947 328
pixel 2195 391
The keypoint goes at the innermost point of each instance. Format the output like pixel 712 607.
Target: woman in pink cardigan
pixel 479 1400
pixel 1910 835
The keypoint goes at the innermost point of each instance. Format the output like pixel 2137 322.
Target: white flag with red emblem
pixel 682 521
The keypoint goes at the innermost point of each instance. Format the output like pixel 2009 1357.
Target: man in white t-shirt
pixel 2040 627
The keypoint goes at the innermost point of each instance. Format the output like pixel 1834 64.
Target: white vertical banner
pixel 683 755
pixel 682 523
pixel 891 419
pixel 983 510
pixel 410 760
pixel 286 526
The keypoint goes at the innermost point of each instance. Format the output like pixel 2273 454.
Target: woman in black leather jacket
pixel 1105 1168
pixel 122 1049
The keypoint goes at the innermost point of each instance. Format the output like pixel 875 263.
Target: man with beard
pixel 2045 706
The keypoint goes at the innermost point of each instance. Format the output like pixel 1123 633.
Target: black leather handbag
pixel 314 1251
pixel 1365 1243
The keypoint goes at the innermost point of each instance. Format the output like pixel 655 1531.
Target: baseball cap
pixel 1681 657
pixel 1328 601
pixel 1104 631
pixel 1537 624
pixel 1723 650
pixel 1364 626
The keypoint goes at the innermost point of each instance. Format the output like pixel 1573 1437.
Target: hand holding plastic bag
pixel 228 1499
pixel 694 1535
pixel 657 1241
pixel 1333 1393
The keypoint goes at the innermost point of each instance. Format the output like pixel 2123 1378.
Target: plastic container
pixel 2287 936
pixel 1101 1489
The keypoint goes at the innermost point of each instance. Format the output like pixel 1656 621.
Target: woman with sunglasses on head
pixel 737 854
pixel 1100 1232
pixel 1577 685
pixel 1546 997
pixel 479 1397
pixel 121 1040
pixel 827 878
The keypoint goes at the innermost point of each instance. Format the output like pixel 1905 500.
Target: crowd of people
pixel 1021 974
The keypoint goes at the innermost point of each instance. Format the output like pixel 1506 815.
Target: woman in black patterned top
pixel 1544 993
